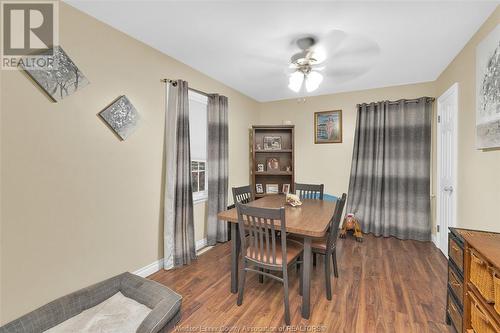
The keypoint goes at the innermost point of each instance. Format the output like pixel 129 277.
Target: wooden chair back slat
pixel 261 238
pixel 242 194
pixel 268 227
pixel 335 222
pixel 309 191
pixel 253 232
pixel 261 225
pixel 274 242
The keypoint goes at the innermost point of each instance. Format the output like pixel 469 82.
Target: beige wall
pixel 79 205
pixel 330 163
pixel 478 171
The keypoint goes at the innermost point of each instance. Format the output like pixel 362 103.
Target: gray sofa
pixel 164 302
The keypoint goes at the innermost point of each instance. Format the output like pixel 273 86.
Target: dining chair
pixel 309 191
pixel 264 252
pixel 243 194
pixel 240 194
pixel 328 246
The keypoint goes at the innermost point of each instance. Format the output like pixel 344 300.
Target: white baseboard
pixel 158 264
pixel 150 269
pixel 201 244
pixel 434 240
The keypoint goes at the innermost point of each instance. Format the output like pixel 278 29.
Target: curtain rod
pixel 174 82
pixel 414 100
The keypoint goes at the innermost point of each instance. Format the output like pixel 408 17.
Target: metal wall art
pixel 121 116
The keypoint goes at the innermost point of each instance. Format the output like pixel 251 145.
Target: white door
pixel 447 108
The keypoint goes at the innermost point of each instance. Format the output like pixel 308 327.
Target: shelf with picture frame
pixel 273 151
pixel 272 169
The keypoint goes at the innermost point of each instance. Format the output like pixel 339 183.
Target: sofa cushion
pixel 117 314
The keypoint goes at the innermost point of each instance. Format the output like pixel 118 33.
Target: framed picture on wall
pixel 487 95
pixel 328 126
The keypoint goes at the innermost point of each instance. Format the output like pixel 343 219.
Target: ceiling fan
pixel 305 66
pixel 333 57
pixel 336 56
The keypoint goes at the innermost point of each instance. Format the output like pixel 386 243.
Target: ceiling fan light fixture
pixel 303 58
pixel 313 80
pixel 295 81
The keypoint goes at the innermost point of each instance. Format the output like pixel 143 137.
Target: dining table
pixel 308 221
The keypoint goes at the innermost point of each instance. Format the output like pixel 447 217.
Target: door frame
pixel 454 89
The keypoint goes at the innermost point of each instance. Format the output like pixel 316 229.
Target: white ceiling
pixel 247 44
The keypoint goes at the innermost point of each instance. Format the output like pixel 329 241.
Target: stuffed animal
pixel 293 200
pixel 351 223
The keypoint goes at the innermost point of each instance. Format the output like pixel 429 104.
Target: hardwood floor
pixel 384 285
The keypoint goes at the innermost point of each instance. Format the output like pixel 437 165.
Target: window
pixel 198 125
pixel 198 176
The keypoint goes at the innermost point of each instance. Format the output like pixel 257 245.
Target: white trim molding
pixel 150 269
pixel 200 244
pixel 435 240
pixel 158 264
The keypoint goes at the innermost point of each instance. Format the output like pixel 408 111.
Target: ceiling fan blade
pixel 267 68
pixel 266 60
pixel 344 74
pixel 346 71
pixel 318 68
pixel 356 56
pixel 334 37
pixel 328 44
pixel 357 45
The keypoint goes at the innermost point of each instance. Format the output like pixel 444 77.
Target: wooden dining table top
pixel 310 219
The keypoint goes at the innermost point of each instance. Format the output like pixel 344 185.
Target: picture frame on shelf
pixel 328 127
pixel 272 188
pixel 259 189
pixel 286 188
pixel 260 167
pixel 272 142
pixel 273 164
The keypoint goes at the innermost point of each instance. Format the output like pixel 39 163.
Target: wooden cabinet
pixel 474 264
pixel 272 149
pixel 455 313
pixel 456 252
pixel 456 285
pixel 454 302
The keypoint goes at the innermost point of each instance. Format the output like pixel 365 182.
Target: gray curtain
pixel 179 242
pixel 389 187
pixel 217 167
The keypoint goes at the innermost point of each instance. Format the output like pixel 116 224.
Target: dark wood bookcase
pixel 263 153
